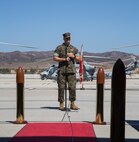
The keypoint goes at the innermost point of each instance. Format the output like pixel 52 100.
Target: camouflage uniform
pixel 66 71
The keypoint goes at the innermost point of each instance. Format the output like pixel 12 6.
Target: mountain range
pixel 41 59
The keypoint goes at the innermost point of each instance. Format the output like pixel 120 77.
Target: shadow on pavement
pixel 58 139
pixel 49 139
pixel 134 124
pixel 108 140
pixel 49 107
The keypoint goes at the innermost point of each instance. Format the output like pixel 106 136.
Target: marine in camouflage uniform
pixel 66 54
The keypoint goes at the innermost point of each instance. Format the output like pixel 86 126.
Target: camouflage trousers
pixel 71 86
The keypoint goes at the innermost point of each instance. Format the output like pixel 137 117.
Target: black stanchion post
pixel 117 133
pixel 20 97
pixel 100 97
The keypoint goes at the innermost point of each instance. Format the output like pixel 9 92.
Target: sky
pixel 100 25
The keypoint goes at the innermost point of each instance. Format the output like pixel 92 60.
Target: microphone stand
pixel 66 104
pixel 66 78
pixel 66 109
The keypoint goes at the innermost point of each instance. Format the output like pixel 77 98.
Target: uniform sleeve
pixel 77 53
pixel 56 52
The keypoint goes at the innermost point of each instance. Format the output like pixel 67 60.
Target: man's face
pixel 67 40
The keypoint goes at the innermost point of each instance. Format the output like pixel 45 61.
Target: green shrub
pixel 5 71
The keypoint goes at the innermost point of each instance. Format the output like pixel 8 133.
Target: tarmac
pixel 41 105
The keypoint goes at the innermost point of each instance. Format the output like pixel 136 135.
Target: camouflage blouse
pixel 65 66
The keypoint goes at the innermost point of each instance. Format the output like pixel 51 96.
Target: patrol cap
pixel 65 35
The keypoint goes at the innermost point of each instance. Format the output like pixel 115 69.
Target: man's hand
pixel 68 59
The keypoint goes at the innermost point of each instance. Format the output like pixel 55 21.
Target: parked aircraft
pixel 51 72
pixel 132 66
pixel 89 73
pixel 129 69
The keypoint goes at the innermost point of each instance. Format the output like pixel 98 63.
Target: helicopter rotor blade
pixel 93 63
pixel 126 46
pixel 85 56
pixel 18 45
pixel 112 62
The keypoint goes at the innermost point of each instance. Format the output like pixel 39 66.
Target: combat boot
pixel 73 106
pixel 61 107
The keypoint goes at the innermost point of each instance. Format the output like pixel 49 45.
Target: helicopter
pixel 89 71
pixel 51 72
pixel 129 68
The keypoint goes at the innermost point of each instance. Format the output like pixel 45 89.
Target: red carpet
pixel 56 132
